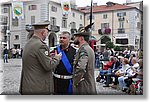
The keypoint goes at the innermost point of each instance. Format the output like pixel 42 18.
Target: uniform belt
pixel 62 76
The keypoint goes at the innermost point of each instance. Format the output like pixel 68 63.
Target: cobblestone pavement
pixel 1 75
pixel 11 73
pixel 11 76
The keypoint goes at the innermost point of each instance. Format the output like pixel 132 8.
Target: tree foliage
pixel 110 44
pixel 117 48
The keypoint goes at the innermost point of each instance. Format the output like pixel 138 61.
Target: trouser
pixel 116 78
pixel 61 86
pixel 108 79
pixel 97 63
pixel 5 58
pixel 107 74
pixel 122 83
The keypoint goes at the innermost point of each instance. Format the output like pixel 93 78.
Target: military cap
pixel 41 25
pixel 84 31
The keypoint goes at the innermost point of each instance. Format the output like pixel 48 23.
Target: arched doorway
pixel 52 39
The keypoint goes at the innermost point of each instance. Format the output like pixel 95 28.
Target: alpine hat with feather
pixel 84 31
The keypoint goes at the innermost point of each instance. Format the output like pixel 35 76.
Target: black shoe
pixel 106 86
pixel 125 90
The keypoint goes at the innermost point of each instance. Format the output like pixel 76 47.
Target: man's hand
pixel 58 56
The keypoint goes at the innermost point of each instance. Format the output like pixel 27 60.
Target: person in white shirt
pixel 137 83
pixel 125 72
pixel 135 63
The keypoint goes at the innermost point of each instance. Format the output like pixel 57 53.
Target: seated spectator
pixel 123 73
pixel 135 63
pixel 109 63
pixel 107 68
pixel 126 53
pixel 135 53
pixel 116 66
pixel 135 66
pixel 137 83
pixel 130 59
pixel 111 73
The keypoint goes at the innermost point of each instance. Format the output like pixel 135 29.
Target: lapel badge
pixel 46 53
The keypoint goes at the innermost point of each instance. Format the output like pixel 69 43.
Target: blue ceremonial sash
pixel 67 66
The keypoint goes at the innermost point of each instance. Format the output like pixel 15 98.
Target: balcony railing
pixel 104 31
pixel 121 30
pixel 121 19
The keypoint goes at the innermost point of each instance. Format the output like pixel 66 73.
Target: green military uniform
pixel 37 68
pixel 83 69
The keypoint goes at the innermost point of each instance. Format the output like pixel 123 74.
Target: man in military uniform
pixel 83 68
pixel 63 72
pixel 37 66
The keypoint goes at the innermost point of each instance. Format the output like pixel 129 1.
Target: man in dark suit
pixel 115 68
pixel 63 72
pixel 37 66
pixel 111 73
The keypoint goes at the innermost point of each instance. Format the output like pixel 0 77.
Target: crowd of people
pixel 11 53
pixel 123 71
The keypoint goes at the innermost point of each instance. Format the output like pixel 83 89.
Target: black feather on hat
pixel 84 31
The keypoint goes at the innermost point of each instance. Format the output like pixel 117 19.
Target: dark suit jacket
pixel 117 64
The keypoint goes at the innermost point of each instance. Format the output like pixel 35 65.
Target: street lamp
pixel 8 39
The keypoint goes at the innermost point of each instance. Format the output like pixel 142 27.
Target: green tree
pixel 117 48
pixel 110 44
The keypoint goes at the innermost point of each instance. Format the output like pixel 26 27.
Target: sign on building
pixel 66 8
pixel 17 10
